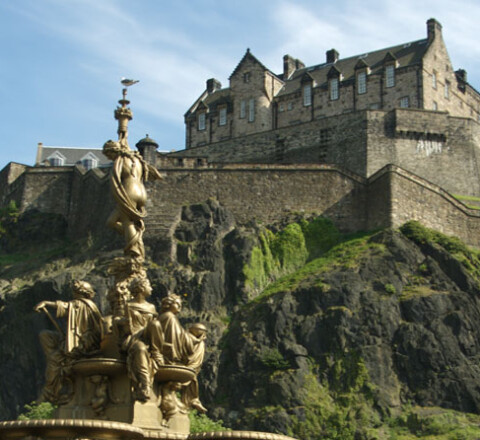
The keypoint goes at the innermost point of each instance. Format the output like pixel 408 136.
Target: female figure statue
pixel 129 173
pixel 143 343
pixel 183 347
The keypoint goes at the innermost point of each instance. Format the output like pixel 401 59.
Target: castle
pixel 369 141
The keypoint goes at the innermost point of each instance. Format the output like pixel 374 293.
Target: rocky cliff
pixel 311 333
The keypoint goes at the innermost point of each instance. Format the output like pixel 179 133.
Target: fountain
pixel 131 374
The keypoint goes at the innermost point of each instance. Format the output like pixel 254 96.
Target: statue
pixel 181 347
pixel 143 343
pixel 129 173
pixel 82 338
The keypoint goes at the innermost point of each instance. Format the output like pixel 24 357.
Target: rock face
pixel 373 323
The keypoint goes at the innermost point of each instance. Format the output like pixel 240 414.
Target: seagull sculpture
pixel 129 82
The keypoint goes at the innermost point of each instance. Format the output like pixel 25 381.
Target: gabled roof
pixel 248 56
pixel 72 155
pixel 406 54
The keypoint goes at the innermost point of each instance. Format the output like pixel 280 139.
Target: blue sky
pixel 62 60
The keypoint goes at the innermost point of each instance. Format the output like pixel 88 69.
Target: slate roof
pixel 73 155
pixel 406 54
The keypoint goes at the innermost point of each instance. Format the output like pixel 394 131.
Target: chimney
pixel 39 153
pixel 434 28
pixel 332 56
pixel 461 75
pixel 289 66
pixel 213 85
pixel 299 64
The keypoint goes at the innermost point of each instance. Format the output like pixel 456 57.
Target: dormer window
pixel 333 85
pixel 201 122
pixel 362 82
pixel 89 161
pixel 307 95
pixel 222 116
pixel 56 159
pixel 390 75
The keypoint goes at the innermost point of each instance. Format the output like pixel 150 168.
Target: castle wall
pixel 415 199
pixel 91 203
pixel 437 147
pixel 267 193
pixel 10 187
pixel 47 190
pixel 440 148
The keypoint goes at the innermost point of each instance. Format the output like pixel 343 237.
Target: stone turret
pixel 148 149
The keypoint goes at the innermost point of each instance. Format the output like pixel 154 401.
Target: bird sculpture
pixel 129 82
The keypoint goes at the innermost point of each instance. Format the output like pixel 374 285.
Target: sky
pixel 61 61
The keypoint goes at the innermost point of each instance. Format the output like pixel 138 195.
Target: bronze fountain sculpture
pixel 133 373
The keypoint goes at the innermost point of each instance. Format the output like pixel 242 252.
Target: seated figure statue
pixel 182 347
pixel 82 338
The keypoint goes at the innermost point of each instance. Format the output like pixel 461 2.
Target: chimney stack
pixel 213 85
pixel 434 29
pixel 332 56
pixel 289 66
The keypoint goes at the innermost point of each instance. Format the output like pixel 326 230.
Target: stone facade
pixel 434 145
pixel 417 75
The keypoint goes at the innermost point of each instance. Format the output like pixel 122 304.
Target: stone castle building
pixel 369 141
pixel 416 75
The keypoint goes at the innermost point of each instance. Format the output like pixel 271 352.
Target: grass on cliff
pixel 342 255
pixel 468 257
pixel 295 251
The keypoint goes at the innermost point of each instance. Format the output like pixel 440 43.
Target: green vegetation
pixel 390 288
pixel 343 255
pixel 202 423
pixel 340 407
pixel 8 215
pixel 37 411
pixel 272 359
pixel 283 252
pixel 421 235
pixel 464 199
pixel 433 424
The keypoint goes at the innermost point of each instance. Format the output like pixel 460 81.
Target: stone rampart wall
pixel 440 148
pixel 264 193
pixel 267 193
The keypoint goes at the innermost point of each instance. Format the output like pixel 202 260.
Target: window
pixel 251 110
pixel 434 80
pixel 334 89
pixel 404 102
pixel 435 105
pixel 88 164
pixel 307 95
pixel 56 161
pixel 281 108
pixel 362 83
pixel 246 77
pixel 447 89
pixel 390 76
pixel 290 106
pixel 222 116
pixel 243 109
pixel 201 121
